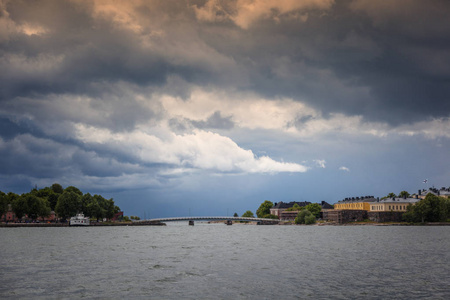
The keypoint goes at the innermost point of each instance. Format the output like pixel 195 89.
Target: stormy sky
pixel 211 107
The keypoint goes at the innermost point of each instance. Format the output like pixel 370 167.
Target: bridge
pixel 228 220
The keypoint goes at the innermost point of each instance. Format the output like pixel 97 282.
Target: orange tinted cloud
pixel 245 12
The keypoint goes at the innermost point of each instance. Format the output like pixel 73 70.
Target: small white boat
pixel 79 220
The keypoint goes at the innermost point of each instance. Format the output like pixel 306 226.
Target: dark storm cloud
pixel 76 52
pixel 71 62
pixel 385 62
pixel 10 129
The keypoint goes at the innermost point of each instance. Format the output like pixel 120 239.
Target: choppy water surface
pixel 225 262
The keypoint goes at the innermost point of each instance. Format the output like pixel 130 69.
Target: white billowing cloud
pixel 292 118
pixel 248 11
pixel 431 129
pixel 253 112
pixel 247 111
pixel 340 123
pixel 199 150
pixel 344 169
pixel 245 12
pixel 320 163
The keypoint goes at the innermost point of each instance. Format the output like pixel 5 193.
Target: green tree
pixel 34 205
pixel 248 214
pixel 264 209
pixel 3 203
pixel 19 206
pixel 86 199
pixel 49 195
pixel 10 197
pixel 73 189
pixel 446 208
pixel 403 194
pixel 109 208
pixel 310 219
pixel 270 216
pixel 95 207
pixel 430 209
pixel 315 209
pixel 302 215
pixel 69 204
pixel 45 209
pixel 235 215
pixel 435 208
pixel 410 215
pixel 57 188
pixel 52 200
pixel 295 207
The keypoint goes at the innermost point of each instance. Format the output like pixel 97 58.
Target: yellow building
pixel 358 203
pixel 393 204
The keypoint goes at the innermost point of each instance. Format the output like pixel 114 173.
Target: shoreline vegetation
pixel 53 206
pixel 282 223
pixel 100 224
pixel 56 204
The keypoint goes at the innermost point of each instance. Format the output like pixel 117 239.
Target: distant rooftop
pixel 282 204
pixel 358 199
pixel 399 200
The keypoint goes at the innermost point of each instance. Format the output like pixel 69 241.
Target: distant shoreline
pixel 105 224
pixel 151 223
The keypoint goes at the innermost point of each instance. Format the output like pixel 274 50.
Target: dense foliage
pixel 248 214
pixel 3 203
pixel 430 209
pixel 264 209
pixel 315 209
pixel 295 207
pixel 305 217
pixel 403 194
pixel 310 219
pixel 65 202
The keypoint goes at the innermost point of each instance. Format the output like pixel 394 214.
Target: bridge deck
pixel 212 219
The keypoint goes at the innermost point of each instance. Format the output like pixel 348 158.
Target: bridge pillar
pixel 191 222
pixel 229 222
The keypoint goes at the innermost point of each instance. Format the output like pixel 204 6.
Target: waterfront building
pixel 355 203
pixel 279 207
pixel 393 204
pixel 443 192
pixel 286 215
pixel 10 217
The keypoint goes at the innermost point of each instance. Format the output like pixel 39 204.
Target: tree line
pixel 64 202
pixel 430 209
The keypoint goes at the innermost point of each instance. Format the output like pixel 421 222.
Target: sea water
pixel 215 261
